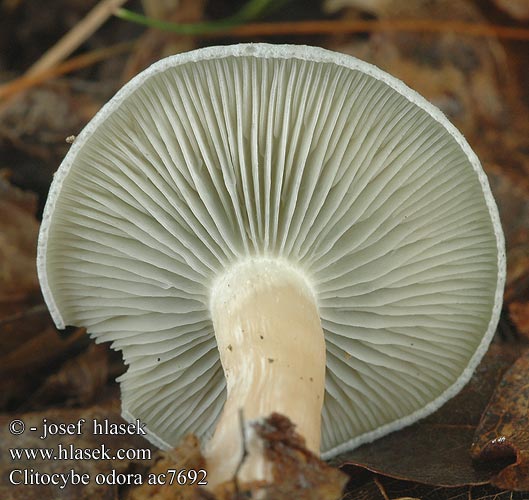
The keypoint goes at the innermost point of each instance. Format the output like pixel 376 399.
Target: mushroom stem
pixel 272 350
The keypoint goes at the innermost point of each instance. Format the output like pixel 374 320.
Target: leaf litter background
pixel 474 447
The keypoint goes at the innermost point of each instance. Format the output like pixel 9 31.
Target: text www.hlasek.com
pixel 70 452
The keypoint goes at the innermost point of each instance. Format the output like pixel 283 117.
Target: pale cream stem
pixel 272 350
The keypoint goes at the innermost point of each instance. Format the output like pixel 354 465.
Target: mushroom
pixel 275 228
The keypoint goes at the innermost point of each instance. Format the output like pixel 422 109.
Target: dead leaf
pixel 383 488
pixel 27 339
pixel 436 450
pixel 503 432
pixel 23 369
pixel 18 239
pixel 19 286
pixel 78 381
pixel 41 350
pixel 426 453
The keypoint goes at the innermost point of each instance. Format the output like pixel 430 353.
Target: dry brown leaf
pixel 19 286
pixel 383 488
pixel 18 243
pixel 39 351
pixel 29 344
pixel 23 369
pixel 27 324
pixel 436 450
pixel 503 432
pixel 79 380
pixel 27 339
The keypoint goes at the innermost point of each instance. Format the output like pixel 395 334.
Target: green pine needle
pixel 251 10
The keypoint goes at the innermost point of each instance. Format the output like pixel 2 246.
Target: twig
pixel 243 457
pixel 381 488
pixel 75 37
pixel 323 27
pixel 27 81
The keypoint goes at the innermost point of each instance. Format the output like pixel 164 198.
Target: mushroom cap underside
pixel 289 152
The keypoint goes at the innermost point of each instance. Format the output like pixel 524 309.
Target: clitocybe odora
pixel 275 228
